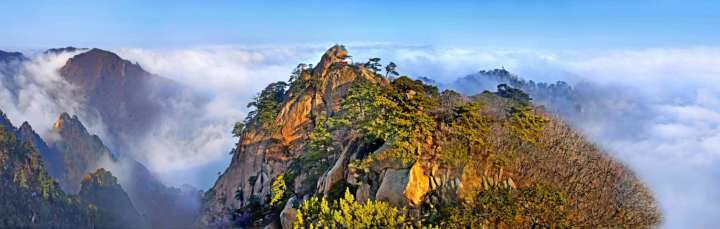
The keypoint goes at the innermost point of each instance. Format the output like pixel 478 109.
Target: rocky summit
pixel 344 145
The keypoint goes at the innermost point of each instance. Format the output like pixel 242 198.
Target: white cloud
pixel 38 95
pixel 662 113
pixel 195 136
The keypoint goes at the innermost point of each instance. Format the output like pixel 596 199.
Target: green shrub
pixel 347 213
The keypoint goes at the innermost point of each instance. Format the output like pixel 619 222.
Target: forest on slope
pixel 354 145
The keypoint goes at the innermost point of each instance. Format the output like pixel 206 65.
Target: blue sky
pixel 666 51
pixel 485 24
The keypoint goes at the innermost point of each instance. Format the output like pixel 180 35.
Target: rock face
pixel 418 185
pixel 413 147
pixel 264 154
pixel 393 186
pixel 82 152
pixel 101 189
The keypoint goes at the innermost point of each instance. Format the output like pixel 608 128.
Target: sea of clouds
pixel 663 122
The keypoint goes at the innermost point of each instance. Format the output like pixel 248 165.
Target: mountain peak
pixel 334 54
pixel 5 122
pixel 100 53
pixel 65 122
pixel 101 69
pixel 25 127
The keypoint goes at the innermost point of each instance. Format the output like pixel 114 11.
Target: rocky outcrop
pixel 82 152
pixel 418 185
pixel 393 186
pixel 415 147
pixel 265 153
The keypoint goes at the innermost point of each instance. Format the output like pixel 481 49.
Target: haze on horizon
pixel 666 53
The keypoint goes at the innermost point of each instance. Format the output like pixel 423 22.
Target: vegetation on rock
pixel 439 158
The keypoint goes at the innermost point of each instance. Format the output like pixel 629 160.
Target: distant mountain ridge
pixel 6 57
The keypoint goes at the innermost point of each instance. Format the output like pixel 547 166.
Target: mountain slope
pixel 491 160
pixel 30 197
pixel 100 188
pixel 126 97
pixel 83 153
pixel 53 160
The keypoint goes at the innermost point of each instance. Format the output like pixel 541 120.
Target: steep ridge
pixel 82 152
pixel 406 154
pixel 30 197
pixel 53 161
pixel 73 151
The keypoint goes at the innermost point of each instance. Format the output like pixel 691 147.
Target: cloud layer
pixel 662 116
pixel 662 113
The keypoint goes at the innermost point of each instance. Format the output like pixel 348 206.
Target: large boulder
pixel 418 185
pixel 393 186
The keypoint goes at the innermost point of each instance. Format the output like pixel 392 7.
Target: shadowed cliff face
pixel 126 97
pixel 82 153
pixel 265 153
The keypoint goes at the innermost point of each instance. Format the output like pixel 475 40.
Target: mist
pixel 36 93
pixel 657 110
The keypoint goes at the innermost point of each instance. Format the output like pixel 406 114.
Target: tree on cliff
pixel 410 156
pixel 267 104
